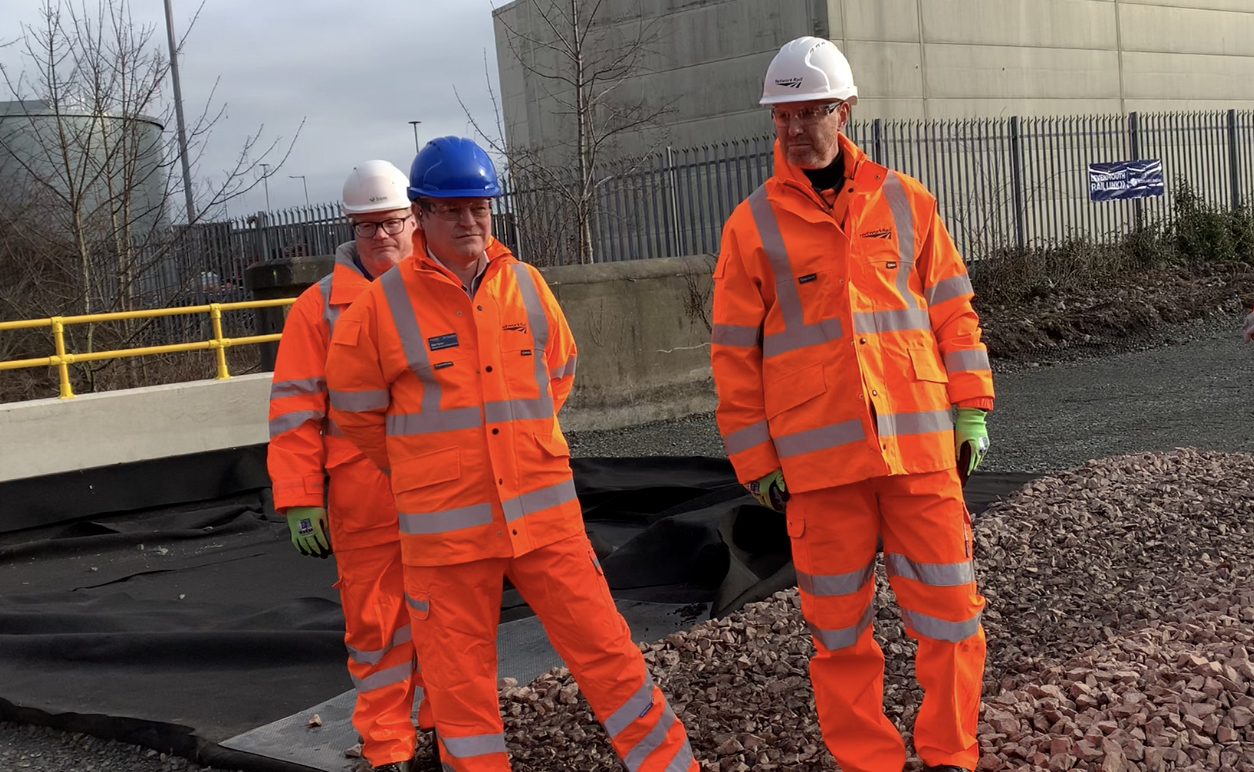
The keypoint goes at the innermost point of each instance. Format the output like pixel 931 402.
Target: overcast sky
pixel 356 71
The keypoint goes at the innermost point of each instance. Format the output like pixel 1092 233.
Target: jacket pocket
pixel 926 365
pixel 425 469
pixel 553 443
pixel 794 389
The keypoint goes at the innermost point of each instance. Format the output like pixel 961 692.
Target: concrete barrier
pixel 47 436
pixel 643 336
pixel 644 355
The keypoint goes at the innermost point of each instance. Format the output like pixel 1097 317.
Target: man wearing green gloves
pixel 315 470
pixel 852 385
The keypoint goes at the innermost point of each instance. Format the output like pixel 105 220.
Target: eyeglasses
pixel 806 116
pixel 478 211
pixel 390 226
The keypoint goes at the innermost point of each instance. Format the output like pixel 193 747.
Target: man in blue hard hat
pixel 449 373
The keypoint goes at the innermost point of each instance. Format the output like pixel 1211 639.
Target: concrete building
pixel 912 59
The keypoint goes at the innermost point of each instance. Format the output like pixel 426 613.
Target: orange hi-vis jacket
pixel 305 445
pixel 458 399
pixel 843 331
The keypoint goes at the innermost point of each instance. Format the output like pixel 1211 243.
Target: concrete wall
pixel 643 356
pixel 912 59
pixel 644 351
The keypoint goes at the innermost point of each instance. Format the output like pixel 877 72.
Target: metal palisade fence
pixel 1005 182
pixel 999 183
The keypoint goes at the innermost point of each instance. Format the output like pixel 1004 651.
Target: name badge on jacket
pixel 442 341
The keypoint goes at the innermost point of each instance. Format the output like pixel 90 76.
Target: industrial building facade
pixel 913 59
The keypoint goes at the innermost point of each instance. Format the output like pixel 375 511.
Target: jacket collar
pixel 496 251
pixel 861 173
pixel 347 280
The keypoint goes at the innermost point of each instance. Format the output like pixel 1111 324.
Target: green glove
pixel 770 491
pixel 309 531
pixel 970 440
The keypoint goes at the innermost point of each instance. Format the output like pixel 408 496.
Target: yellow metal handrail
pixel 62 360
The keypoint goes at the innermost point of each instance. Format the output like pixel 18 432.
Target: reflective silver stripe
pixel 539 324
pixel 332 428
pixel 298 387
pixel 903 223
pixel 822 438
pixel 400 424
pixel 682 761
pixel 931 574
pixel 421 606
pixel 567 369
pixel 344 255
pixel 940 629
pixel 425 523
pixel 330 313
pixel 801 337
pixel 374 656
pixel 412 342
pixel 534 501
pixel 475 745
pixel 651 741
pixel 360 401
pixel 632 709
pixel 896 424
pixel 740 336
pixel 845 636
pixel 797 334
pixel 751 436
pixel 831 585
pixel 397 674
pixel 518 409
pixel 967 360
pixel 948 289
pixel 289 421
pixel 891 320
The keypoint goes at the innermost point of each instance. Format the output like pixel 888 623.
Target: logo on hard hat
pixel 788 82
pixel 378 198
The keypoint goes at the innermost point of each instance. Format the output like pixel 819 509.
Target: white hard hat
pixel 375 186
pixel 807 69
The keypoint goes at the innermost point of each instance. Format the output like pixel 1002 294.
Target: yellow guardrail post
pixel 215 313
pixel 63 361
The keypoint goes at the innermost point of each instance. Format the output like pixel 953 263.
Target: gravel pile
pixel 1120 595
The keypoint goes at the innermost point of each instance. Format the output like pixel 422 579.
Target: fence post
pixel 1234 174
pixel 215 314
pixel 1134 144
pixel 1016 181
pixel 63 366
pixel 877 138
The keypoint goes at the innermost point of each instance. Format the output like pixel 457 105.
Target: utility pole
pixel 178 111
pixel 265 182
pixel 415 125
pixel 301 177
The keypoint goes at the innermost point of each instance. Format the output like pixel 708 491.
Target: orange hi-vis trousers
pixel 381 659
pixel 455 611
pixel 926 532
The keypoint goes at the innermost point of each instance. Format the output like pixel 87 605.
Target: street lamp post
pixel 265 181
pixel 301 177
pixel 415 125
pixel 178 112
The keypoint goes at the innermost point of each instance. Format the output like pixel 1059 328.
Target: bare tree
pixel 582 61
pixel 88 188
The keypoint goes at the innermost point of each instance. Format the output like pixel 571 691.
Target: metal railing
pixel 62 359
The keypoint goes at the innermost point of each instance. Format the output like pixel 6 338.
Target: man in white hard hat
pixel 355 513
pixel 843 344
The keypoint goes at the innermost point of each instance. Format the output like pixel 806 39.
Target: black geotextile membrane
pixel 194 620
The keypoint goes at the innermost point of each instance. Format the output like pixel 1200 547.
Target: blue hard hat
pixel 452 167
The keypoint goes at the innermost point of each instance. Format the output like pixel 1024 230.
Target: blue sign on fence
pixel 1125 179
